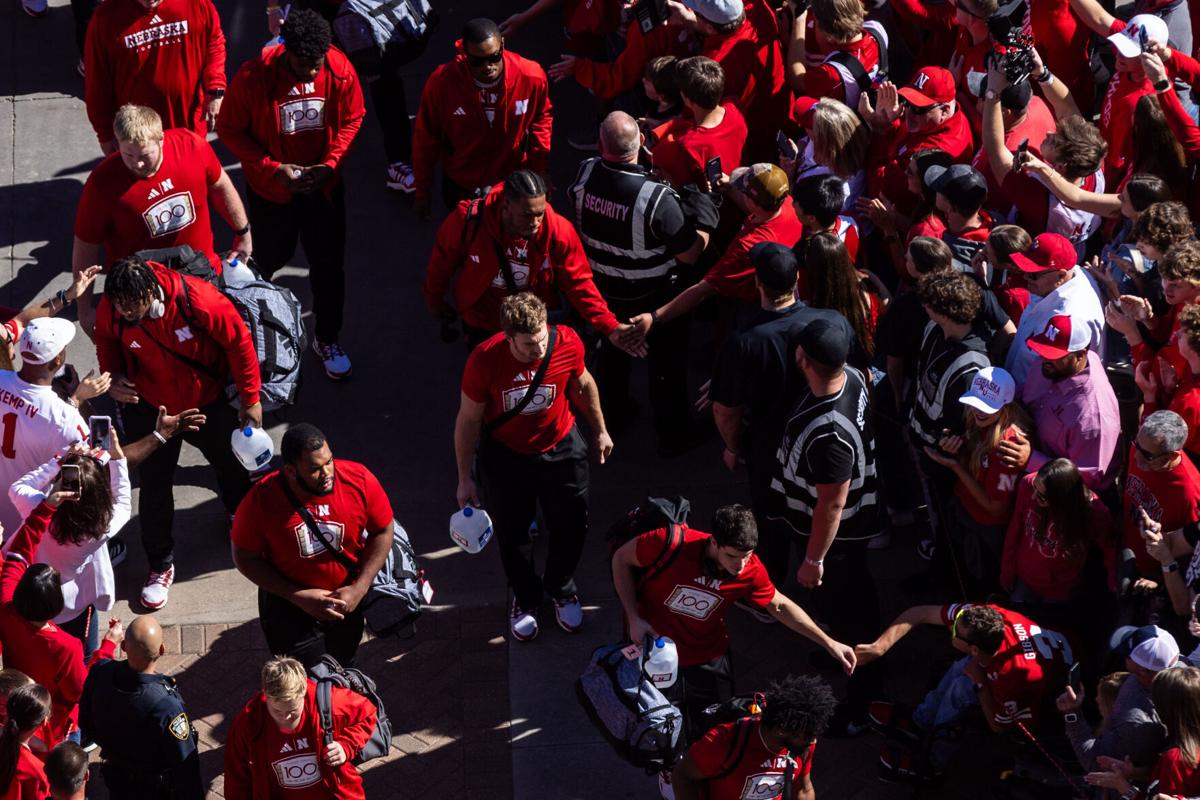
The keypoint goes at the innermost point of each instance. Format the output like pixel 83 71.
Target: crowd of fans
pixel 946 257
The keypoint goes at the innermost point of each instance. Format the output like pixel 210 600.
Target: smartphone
pixel 787 148
pixel 69 478
pixel 1074 679
pixel 713 171
pixel 101 435
pixel 1022 151
pixel 1143 39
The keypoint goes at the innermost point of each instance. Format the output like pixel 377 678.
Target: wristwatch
pixel 1070 717
pixel 243 230
pixel 1162 85
pixel 1170 567
pixel 215 92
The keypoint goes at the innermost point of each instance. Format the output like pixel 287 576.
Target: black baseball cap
pixel 826 341
pixel 963 185
pixel 775 266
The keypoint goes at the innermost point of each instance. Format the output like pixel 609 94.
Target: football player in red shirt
pixel 153 193
pixel 530 453
pixel 308 597
pixel 751 756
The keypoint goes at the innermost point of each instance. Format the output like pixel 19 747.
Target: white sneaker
pixel 524 624
pixel 34 8
pixel 569 613
pixel 400 177
pixel 158 586
pixel 337 363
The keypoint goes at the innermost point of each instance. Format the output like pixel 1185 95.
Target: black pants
pixel 391 106
pixel 318 222
pixel 180 783
pixel 667 365
pixel 291 632
pixel 775 539
pixel 82 11
pixel 156 475
pixel 700 686
pixel 898 478
pixel 514 485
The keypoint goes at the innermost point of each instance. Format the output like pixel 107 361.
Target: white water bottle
pixel 237 272
pixel 662 663
pixel 253 448
pixel 471 529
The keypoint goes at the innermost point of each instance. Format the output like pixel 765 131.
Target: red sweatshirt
pixel 608 79
pixel 453 125
pixel 271 118
pixel 163 58
pixel 49 655
pixel 208 330
pixel 30 781
pixel 892 149
pixel 552 262
pixel 262 761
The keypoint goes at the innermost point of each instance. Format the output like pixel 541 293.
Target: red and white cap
pixel 1063 334
pixel 992 389
pixel 1049 251
pixel 1129 41
pixel 929 87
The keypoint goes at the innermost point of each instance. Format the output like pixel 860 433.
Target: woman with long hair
pixel 77 544
pixel 834 283
pixel 983 493
pixel 837 144
pixel 1057 523
pixel 21 774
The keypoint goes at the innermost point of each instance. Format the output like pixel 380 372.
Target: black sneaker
pixel 896 764
pixel 116 551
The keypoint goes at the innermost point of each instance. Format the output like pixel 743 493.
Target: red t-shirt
pixel 1167 357
pixel 126 213
pixel 1186 403
pixel 1037 124
pixel 1175 776
pixel 53 658
pixel 295 773
pixel 267 524
pixel 1029 663
pixel 684 148
pixel 758 774
pixel 998 480
pixel 494 377
pixel 733 274
pixel 687 605
pixel 1171 497
pixel 29 782
pixel 824 80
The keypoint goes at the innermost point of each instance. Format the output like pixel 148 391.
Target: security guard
pixel 138 718
pixel 637 233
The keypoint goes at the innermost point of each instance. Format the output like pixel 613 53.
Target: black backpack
pixel 657 512
pixel 329 673
pixel 851 65
pixel 743 712
pixel 184 260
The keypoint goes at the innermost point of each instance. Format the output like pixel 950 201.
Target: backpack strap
pixel 666 556
pixel 471 223
pixel 325 709
pixel 737 748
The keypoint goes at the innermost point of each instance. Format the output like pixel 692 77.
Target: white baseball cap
pixel 43 339
pixel 1129 41
pixel 721 12
pixel 992 389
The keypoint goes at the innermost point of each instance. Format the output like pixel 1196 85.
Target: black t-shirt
pixel 903 324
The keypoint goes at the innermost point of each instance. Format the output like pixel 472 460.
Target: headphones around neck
pixel 157 307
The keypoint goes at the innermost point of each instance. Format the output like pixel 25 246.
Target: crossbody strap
pixel 534 385
pixel 315 529
pixel 510 282
pixel 325 710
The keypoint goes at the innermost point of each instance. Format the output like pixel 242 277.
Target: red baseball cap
pixel 1049 251
pixel 802 111
pixel 930 86
pixel 1060 336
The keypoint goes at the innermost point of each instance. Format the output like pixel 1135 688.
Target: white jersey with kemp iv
pixel 35 424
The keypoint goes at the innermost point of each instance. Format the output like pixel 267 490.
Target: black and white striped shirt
pixel 945 368
pixel 830 440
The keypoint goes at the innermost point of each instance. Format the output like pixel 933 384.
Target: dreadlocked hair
pixel 306 34
pixel 131 281
pixel 801 705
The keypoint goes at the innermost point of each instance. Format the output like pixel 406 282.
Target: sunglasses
pixel 954 628
pixel 480 61
pixel 1146 454
pixel 919 110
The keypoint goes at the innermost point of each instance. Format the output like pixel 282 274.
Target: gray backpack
pixel 364 28
pixel 329 673
pixel 274 317
pixel 634 716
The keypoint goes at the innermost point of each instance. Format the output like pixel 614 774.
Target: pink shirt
pixel 1075 418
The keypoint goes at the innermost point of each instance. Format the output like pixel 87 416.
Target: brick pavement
pixel 446 691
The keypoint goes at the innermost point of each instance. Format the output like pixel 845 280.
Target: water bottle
pixel 471 528
pixel 253 448
pixel 236 272
pixel 662 664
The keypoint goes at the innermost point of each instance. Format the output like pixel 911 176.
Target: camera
pixel 650 14
pixel 1012 51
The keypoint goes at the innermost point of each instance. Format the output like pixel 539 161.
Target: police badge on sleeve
pixel 180 728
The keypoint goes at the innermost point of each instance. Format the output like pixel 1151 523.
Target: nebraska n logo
pixel 920 81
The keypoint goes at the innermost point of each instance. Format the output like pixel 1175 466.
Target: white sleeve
pixel 29 490
pixel 122 494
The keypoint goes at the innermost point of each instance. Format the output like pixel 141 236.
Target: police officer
pixel 638 233
pixel 138 718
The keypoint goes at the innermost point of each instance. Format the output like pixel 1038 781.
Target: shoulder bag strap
pixel 325 710
pixel 534 385
pixel 789 770
pixel 315 529
pixel 510 282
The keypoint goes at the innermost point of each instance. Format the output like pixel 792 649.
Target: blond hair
pixel 284 678
pixel 840 138
pixel 522 313
pixel 137 124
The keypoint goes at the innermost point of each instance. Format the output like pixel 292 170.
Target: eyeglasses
pixel 480 61
pixel 919 110
pixel 1146 454
pixel 954 628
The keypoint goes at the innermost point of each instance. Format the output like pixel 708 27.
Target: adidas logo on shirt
pixel 134 345
pixel 458 112
pixel 287 748
pixel 156 20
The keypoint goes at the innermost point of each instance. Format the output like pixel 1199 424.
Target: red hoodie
pixel 261 761
pixel 608 79
pixel 49 655
pixel 163 58
pixel 892 149
pixel 552 262
pixel 453 127
pixel 271 118
pixel 207 330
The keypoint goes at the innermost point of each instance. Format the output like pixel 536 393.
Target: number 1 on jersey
pixel 8 445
